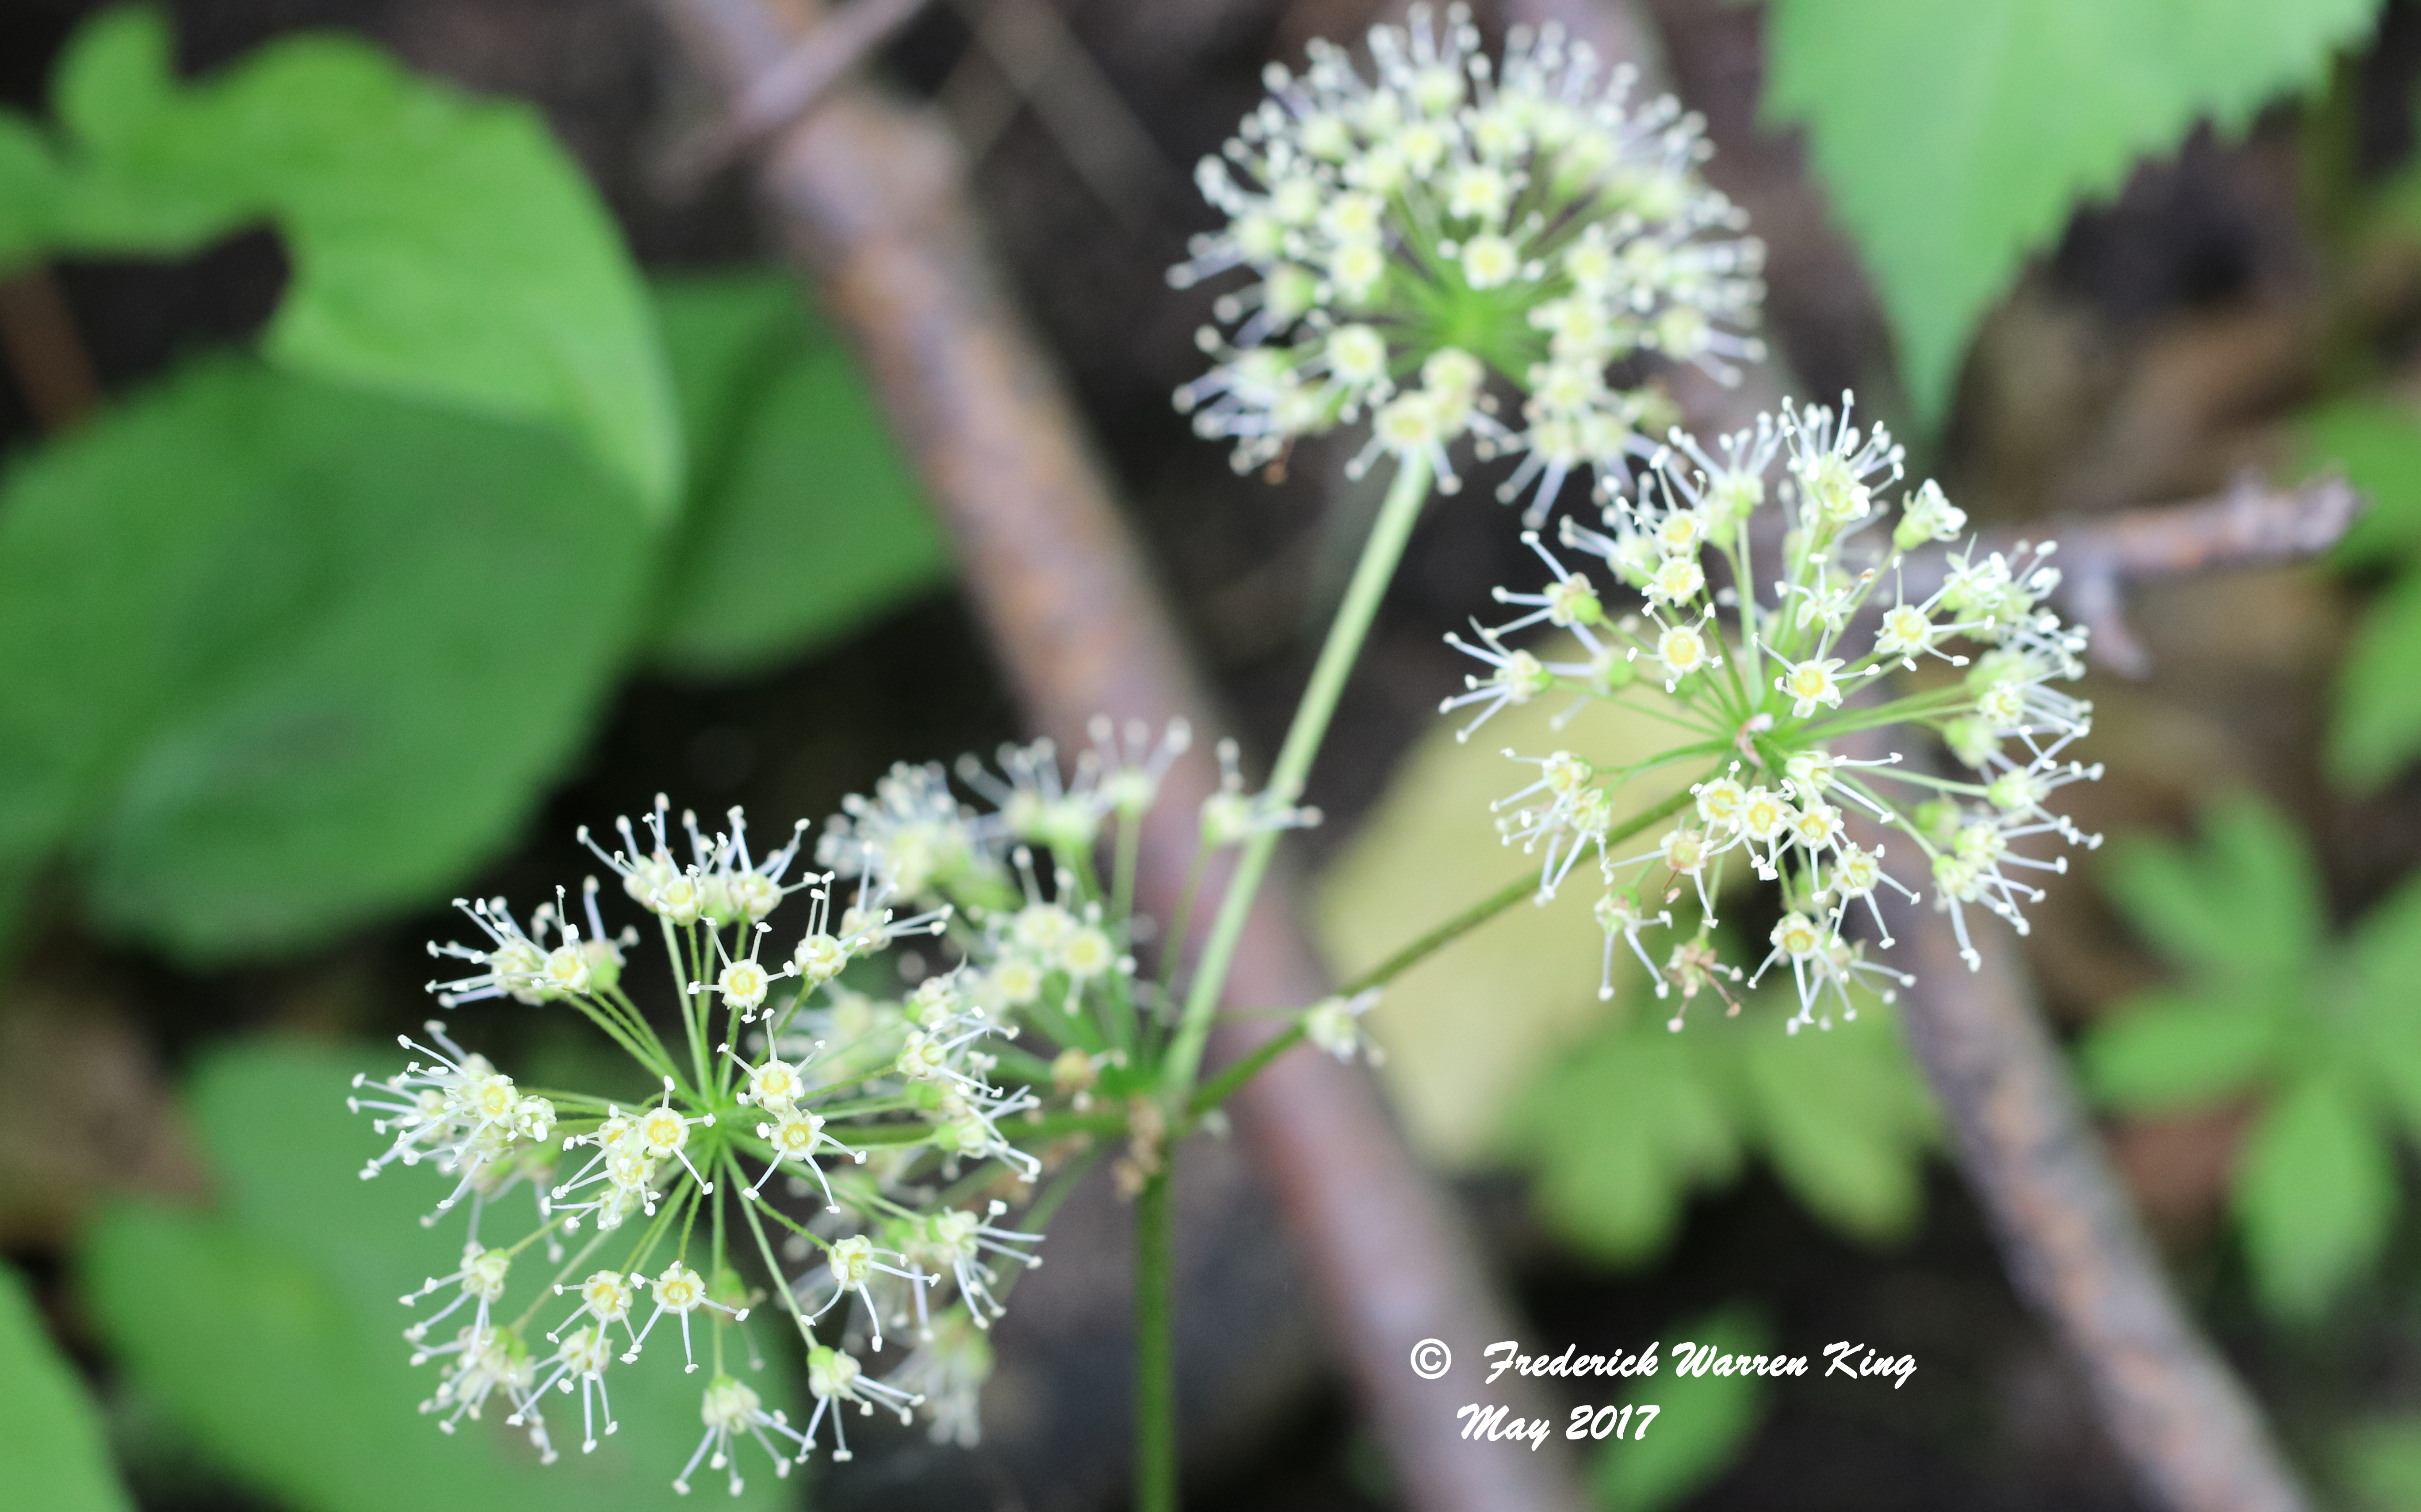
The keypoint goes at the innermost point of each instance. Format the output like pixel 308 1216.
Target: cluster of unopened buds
pixel 894 1096
pixel 1405 233
pixel 1778 676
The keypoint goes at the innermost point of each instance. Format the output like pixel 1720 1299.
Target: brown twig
pixel 779 95
pixel 45 351
pixel 2250 526
pixel 2072 1243
pixel 871 199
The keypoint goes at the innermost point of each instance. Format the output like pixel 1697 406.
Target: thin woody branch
pixel 2073 1245
pixel 48 357
pixel 869 199
pixel 780 94
pixel 2252 524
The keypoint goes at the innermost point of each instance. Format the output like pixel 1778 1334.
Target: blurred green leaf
pixel 2377 725
pixel 2382 1461
pixel 726 335
pixel 29 191
pixel 2329 1028
pixel 2316 1192
pixel 443 249
pixel 1954 135
pixel 114 74
pixel 2376 444
pixel 2247 900
pixel 2386 1012
pixel 2386 944
pixel 802 522
pixel 1706 1421
pixel 283 656
pixel 50 1435
pixel 1621 1130
pixel 270 1330
pixel 2170 1050
pixel 1844 1119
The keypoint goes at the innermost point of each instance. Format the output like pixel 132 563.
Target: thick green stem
pixel 1351 627
pixel 1155 1212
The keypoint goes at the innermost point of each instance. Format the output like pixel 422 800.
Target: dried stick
pixel 779 94
pixel 869 199
pixel 38 333
pixel 2071 1241
pixel 2073 1244
pixel 2249 525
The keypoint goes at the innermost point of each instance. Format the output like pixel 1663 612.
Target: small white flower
pixel 1232 816
pixel 834 1377
pixel 680 1291
pixel 730 1410
pixel 1811 685
pixel 1334 1025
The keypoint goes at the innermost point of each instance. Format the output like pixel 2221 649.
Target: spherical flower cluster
pixel 1775 677
pixel 648 1214
pixel 903 1125
pixel 1415 237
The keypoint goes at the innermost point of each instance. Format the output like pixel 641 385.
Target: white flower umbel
pixel 656 1209
pixel 1407 239
pixel 1775 640
pixel 886 1042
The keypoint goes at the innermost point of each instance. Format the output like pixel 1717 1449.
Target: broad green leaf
pixel 2170 1050
pixel 287 656
pixel 445 249
pixel 2378 727
pixel 114 75
pixel 269 1329
pixel 802 522
pixel 1706 1421
pixel 1954 135
pixel 2376 444
pixel 30 184
pixel 1844 1119
pixel 2247 900
pixel 51 1440
pixel 2315 1194
pixel 726 335
pixel 1620 1132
